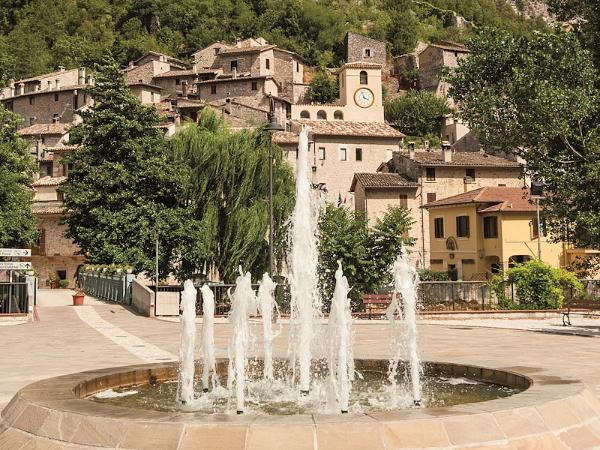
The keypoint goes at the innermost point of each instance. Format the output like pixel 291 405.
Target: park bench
pixel 579 306
pixel 376 304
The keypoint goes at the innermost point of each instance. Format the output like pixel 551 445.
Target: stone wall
pixel 357 44
pixel 142 298
pixel 48 106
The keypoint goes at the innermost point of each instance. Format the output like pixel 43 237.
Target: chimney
pixel 81 76
pixel 131 65
pixel 234 73
pixel 184 88
pixel 11 85
pixel 55 119
pixel 21 90
pixel 57 84
pixel 195 68
pixel 411 150
pixel 49 85
pixel 447 151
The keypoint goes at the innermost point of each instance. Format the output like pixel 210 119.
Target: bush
pixel 418 113
pixel 323 88
pixel 537 286
pixel 433 275
pixel 63 284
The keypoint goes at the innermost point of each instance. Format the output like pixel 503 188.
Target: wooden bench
pixel 376 304
pixel 579 305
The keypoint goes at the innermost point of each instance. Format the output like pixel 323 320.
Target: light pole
pixel 537 193
pixel 271 127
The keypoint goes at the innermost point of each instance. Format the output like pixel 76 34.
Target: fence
pixel 14 295
pixel 114 288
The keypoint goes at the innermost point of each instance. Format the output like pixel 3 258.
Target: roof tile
pixel 382 180
pixel 346 128
pixel 461 159
pixel 493 199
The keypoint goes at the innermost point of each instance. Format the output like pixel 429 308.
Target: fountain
pixel 266 307
pixel 188 341
pixel 305 301
pixel 208 339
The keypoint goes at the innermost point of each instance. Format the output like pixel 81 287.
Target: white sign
pixel 14 265
pixel 15 252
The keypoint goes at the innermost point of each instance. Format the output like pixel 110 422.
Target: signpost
pixel 13 252
pixel 15 265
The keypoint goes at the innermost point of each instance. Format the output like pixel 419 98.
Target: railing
pixel 114 288
pixel 14 298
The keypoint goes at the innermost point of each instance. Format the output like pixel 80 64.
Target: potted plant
pixel 78 297
pixel 53 280
pixel 63 284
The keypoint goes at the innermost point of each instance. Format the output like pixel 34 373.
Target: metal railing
pixel 14 298
pixel 114 288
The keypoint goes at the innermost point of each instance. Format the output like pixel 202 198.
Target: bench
pixel 376 303
pixel 579 305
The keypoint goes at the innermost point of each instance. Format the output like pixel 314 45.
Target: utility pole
pixel 156 275
pixel 537 193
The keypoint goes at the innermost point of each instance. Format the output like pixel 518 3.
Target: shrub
pixel 323 88
pixel 63 284
pixel 433 275
pixel 418 113
pixel 537 286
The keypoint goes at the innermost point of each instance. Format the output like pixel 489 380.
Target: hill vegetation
pixel 37 36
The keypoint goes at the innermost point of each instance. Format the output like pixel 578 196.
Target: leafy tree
pixel 18 226
pixel 226 181
pixel 323 88
pixel 124 188
pixel 538 96
pixel 367 254
pixel 418 113
pixel 537 286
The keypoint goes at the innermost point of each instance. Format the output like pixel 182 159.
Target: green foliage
pixel 367 254
pixel 323 88
pixel 537 286
pixel 42 34
pixel 539 96
pixel 124 188
pixel 418 113
pixel 226 181
pixel 18 226
pixel 432 275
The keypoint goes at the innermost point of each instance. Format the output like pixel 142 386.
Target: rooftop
pixel 346 128
pixel 494 199
pixel 52 207
pixel 249 49
pixel 451 46
pixel 381 181
pixel 358 65
pixel 460 159
pixel 45 128
pixel 285 137
pixel 168 57
pixel 184 73
pixel 49 181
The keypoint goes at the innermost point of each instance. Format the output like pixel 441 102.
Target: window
pixel 55 117
pixel 55 97
pixel 31 100
pixel 31 120
pixel 338 115
pixel 431 197
pixel 321 115
pixel 403 200
pixel 217 50
pixel 297 66
pixel 470 173
pixel 535 229
pixel 49 170
pixel 430 173
pixel 233 65
pixel 177 81
pixel 364 78
pixel 9 105
pixel 367 52
pixel 267 63
pixel 343 154
pixel 60 196
pixel 151 97
pixel 436 262
pixel 61 274
pixel 462 226
pixel 304 115
pixel 490 227
pixel 468 261
pixel 322 153
pixel 439 227
pixel 213 89
pixel 67 169
pixel 254 86
pixel 359 154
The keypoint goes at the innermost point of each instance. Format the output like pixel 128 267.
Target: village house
pixel 487 230
pixel 436 174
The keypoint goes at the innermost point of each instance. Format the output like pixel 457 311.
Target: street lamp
pixel 537 193
pixel 272 126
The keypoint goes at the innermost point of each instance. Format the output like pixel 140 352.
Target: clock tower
pixel 360 91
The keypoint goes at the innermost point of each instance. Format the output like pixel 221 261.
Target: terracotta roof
pixel 45 128
pixel 381 180
pixel 252 49
pixel 45 75
pixel 503 199
pixel 49 181
pixel 48 157
pixel 285 137
pixel 346 128
pixel 153 86
pixel 461 159
pixel 360 65
pixel 184 73
pixel 189 103
pixel 52 207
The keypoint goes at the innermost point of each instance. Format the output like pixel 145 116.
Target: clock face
pixel 364 97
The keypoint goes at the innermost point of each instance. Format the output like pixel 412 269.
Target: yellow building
pixel 488 230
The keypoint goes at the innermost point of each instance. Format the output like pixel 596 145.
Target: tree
pixel 418 113
pixel 226 184
pixel 323 88
pixel 124 188
pixel 537 96
pixel 367 254
pixel 18 226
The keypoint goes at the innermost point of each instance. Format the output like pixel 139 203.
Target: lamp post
pixel 272 126
pixel 537 193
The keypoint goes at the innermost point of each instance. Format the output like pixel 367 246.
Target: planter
pixel 53 284
pixel 78 299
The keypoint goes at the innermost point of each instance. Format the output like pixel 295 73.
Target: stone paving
pixel 67 340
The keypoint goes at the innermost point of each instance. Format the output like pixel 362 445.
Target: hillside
pixel 38 35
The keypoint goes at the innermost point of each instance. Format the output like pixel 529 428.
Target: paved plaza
pixel 66 339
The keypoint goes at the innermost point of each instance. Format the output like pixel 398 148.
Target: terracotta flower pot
pixel 78 299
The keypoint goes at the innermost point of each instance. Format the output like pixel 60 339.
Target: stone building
pixel 365 49
pixel 439 174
